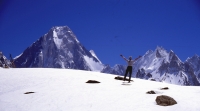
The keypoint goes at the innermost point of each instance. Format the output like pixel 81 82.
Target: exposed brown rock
pixel 165 100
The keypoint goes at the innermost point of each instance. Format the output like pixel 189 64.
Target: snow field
pixel 66 90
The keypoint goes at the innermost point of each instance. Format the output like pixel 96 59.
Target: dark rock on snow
pixel 121 78
pixel 92 81
pixel 165 88
pixel 165 100
pixel 151 92
pixel 28 92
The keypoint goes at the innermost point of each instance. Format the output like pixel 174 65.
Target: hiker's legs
pixel 128 70
pixel 126 74
pixel 130 73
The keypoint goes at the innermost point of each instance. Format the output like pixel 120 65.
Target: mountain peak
pixel 159 48
pixel 160 52
pixel 193 58
pixel 173 56
pixel 61 35
pixel 196 56
pixel 59 48
pixel 61 28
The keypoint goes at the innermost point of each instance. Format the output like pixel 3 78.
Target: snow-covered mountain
pixel 65 90
pixel 164 66
pixel 194 63
pixel 4 62
pixel 160 65
pixel 59 48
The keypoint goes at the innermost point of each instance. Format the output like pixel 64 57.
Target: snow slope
pixel 66 90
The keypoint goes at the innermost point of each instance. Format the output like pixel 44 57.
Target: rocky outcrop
pixel 4 62
pixel 164 100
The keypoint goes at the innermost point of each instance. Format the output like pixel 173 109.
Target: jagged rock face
pixel 142 74
pixel 117 69
pixel 194 62
pixel 3 61
pixel 153 62
pixel 59 48
pixel 165 67
pixel 175 65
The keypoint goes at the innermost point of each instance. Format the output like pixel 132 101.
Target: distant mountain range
pixel 59 48
pixel 164 66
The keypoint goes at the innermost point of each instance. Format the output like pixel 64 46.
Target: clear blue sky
pixel 109 27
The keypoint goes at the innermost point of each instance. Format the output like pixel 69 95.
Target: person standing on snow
pixel 129 67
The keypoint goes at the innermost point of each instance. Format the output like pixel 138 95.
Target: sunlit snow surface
pixel 66 90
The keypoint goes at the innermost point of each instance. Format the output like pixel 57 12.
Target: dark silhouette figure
pixel 129 67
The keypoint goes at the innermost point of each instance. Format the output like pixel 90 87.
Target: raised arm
pixel 137 58
pixel 124 58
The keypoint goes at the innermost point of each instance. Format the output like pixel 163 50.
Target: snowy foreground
pixel 66 90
